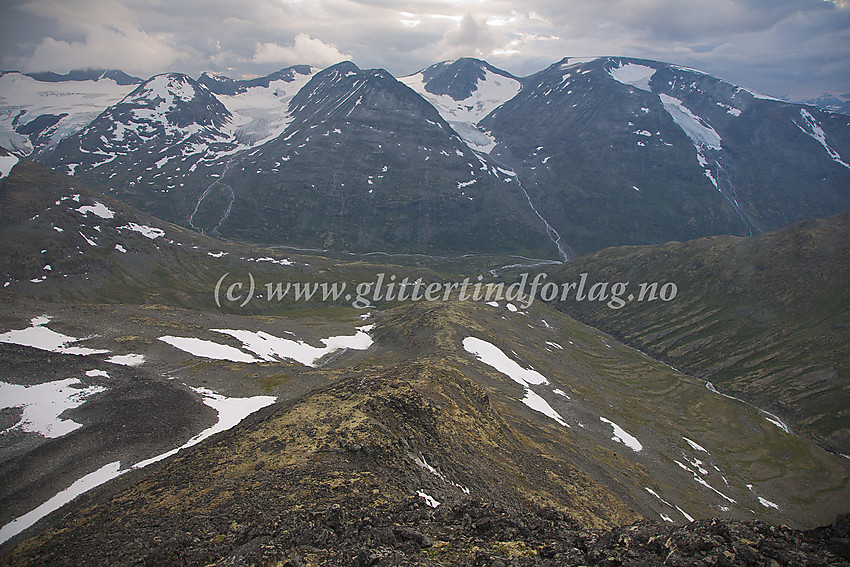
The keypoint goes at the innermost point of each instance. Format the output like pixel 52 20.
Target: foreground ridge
pixel 406 464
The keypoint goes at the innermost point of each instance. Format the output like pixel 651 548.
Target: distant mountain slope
pixel 600 152
pixel 763 318
pixel 37 111
pixel 149 144
pixel 221 85
pixel 359 162
pixel 464 92
pixel 367 164
pixel 260 106
pixel 832 103
pixel 59 239
pixel 626 151
pixel 120 77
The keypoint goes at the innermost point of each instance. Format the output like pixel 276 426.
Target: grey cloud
pixel 471 37
pixel 777 46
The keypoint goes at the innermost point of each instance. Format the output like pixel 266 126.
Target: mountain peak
pixel 170 118
pixel 167 86
pixel 222 85
pixel 343 67
pixel 458 79
pixel 120 77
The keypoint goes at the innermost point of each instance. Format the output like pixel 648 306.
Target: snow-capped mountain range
pixel 459 157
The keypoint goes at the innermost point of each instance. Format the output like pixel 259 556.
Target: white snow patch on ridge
pixel 694 445
pixel 637 76
pixel 282 262
pixel 80 486
pixel 736 112
pixel 698 130
pixel 208 349
pixel 429 500
pixel 818 134
pixel 40 337
pixel 490 92
pixel 43 404
pixel 6 165
pixel 231 411
pixel 775 421
pixel 144 230
pixel 269 348
pixel 420 460
pixel 701 481
pixel 98 209
pixel 622 436
pixel 493 356
pixel 767 503
pixel 759 95
pixel 127 359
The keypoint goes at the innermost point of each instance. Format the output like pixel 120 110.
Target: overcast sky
pixel 794 48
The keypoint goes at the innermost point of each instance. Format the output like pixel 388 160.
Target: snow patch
pixel 6 165
pixel 736 112
pixel 695 446
pixel 127 359
pixel 89 240
pixel 702 481
pixel 146 231
pixel 269 348
pixel 816 132
pixel 40 337
pixel 698 130
pixel 493 356
pixel 767 503
pixel 80 486
pixel 230 411
pixel 208 349
pixel 775 421
pixel 282 261
pixel 635 75
pixel 560 392
pixel 622 436
pixel 420 460
pixel 428 499
pixel 272 349
pixel 43 404
pixel 97 374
